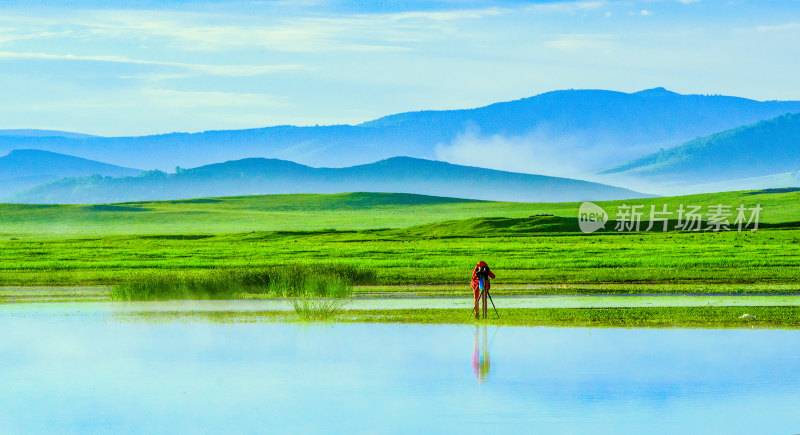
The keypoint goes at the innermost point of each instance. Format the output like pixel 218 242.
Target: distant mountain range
pixel 765 149
pixel 22 169
pixel 265 176
pixel 556 132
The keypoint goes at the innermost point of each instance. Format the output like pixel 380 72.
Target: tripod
pixel 482 298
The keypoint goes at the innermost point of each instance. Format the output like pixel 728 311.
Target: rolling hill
pixel 765 149
pixel 179 220
pixel 579 129
pixel 268 176
pixel 22 169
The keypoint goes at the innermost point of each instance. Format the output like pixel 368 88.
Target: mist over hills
pixel 268 176
pixel 22 169
pixel 768 148
pixel 560 132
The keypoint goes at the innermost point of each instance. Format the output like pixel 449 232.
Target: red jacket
pixel 475 276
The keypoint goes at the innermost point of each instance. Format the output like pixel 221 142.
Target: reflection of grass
pixel 317 309
pixel 638 317
pixel 52 294
pixel 642 317
pixel 294 280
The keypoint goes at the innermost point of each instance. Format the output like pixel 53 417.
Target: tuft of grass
pixel 331 280
pixel 292 280
pixel 309 309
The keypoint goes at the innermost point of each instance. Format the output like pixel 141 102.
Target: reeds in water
pixel 309 309
pixel 291 280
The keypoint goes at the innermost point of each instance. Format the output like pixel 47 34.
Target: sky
pixel 141 67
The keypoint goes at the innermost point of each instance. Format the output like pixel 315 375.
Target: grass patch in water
pixel 292 280
pixel 308 309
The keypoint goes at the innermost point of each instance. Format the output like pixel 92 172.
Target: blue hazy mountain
pixel 22 169
pixel 765 148
pixel 268 176
pixel 586 129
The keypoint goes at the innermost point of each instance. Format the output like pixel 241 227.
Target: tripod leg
pixel 495 308
pixel 476 306
pixel 485 307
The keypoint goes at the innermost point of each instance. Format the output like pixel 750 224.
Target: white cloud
pixel 442 15
pixel 567 6
pixel 210 32
pixel 195 31
pixel 645 12
pixel 12 34
pixel 574 42
pixel 216 32
pixel 160 99
pixel 217 70
pixel 778 27
pixel 192 99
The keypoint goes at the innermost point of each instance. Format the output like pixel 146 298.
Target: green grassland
pixel 768 256
pixel 405 239
pixel 241 214
pixel 309 212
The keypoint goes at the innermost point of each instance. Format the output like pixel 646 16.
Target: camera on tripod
pixel 482 273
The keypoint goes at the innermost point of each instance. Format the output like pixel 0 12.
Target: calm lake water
pixel 89 372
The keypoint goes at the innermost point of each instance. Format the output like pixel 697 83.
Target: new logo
pixel 591 217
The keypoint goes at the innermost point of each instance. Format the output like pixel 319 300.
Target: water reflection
pixel 480 355
pixel 82 371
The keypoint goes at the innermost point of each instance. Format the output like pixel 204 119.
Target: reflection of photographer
pixel 480 357
pixel 480 282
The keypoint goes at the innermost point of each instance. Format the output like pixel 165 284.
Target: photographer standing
pixel 480 281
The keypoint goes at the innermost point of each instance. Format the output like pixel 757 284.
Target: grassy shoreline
pixel 638 317
pixel 643 317
pixel 23 294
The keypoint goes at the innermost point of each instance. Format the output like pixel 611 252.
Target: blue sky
pixel 141 67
